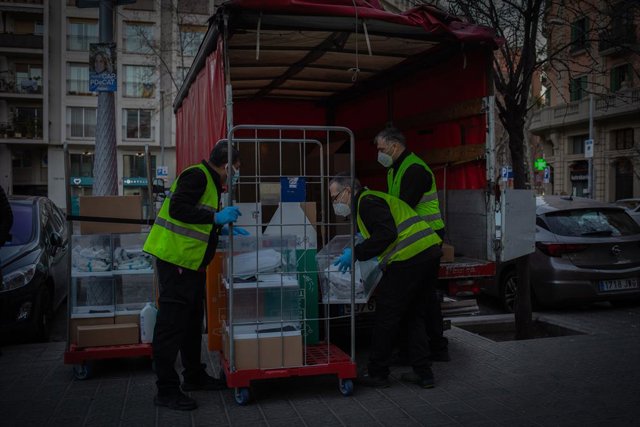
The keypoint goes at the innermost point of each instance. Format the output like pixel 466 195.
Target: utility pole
pixel 591 185
pixel 105 166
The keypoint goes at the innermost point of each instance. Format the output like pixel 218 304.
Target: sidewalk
pixel 590 379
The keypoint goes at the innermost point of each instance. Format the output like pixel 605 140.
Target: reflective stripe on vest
pixel 428 207
pixel 178 242
pixel 414 234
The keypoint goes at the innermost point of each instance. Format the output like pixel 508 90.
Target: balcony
pixel 21 129
pixel 623 102
pixel 22 41
pixel 25 88
pixel 617 40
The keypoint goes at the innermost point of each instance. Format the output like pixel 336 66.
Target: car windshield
pixel 22 229
pixel 591 223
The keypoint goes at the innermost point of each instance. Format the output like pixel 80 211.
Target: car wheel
pixel 42 316
pixel 509 290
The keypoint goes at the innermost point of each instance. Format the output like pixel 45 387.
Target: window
pixel 81 122
pixel 595 223
pixel 190 38
pixel 577 144
pixel 136 124
pixel 578 88
pixel 136 165
pixel 620 75
pixel 138 37
pixel 579 34
pixel 29 78
pixel 622 139
pixel 80 33
pixel 139 81
pixel 78 79
pixel 81 165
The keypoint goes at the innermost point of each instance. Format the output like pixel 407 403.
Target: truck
pixel 350 63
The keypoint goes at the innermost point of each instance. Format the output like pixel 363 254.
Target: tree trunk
pixel 522 309
pixel 514 125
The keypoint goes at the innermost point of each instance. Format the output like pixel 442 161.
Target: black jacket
pixel 190 188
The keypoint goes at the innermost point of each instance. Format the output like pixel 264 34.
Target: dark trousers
pixel 402 291
pixel 178 325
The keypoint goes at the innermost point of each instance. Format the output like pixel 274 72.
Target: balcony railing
pixel 21 129
pixel 615 40
pixel 24 86
pixel 26 41
pixel 22 1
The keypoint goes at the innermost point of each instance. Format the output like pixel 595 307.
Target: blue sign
pixel 134 181
pixel 81 181
pixel 293 189
pixel 547 175
pixel 507 173
pixel 103 68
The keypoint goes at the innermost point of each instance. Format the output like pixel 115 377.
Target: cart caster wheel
pixel 83 371
pixel 346 387
pixel 241 395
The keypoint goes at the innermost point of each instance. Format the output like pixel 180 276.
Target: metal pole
pixel 591 185
pixel 162 128
pixel 105 166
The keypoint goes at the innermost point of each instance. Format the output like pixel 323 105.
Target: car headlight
pixel 19 278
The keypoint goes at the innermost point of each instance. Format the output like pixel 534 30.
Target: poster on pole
pixel 102 67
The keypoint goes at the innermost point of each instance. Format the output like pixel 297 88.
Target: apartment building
pixel 602 64
pixel 156 43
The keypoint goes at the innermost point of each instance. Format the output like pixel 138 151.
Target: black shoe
pixel 424 381
pixel 204 382
pixel 177 401
pixel 440 356
pixel 373 381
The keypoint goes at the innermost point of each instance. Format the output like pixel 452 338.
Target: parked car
pixel 632 206
pixel 35 267
pixel 585 251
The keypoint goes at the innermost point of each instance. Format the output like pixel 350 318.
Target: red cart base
pixel 77 355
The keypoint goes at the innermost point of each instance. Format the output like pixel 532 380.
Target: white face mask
pixel 341 209
pixel 384 159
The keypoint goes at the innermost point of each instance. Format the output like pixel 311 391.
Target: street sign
pixel 507 172
pixel 162 172
pixel 547 175
pixel 588 148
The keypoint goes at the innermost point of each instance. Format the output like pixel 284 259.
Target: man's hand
pixel 227 215
pixel 344 261
pixel 237 231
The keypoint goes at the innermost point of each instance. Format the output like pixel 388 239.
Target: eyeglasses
pixel 334 198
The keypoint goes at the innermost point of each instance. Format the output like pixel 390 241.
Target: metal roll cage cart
pixel 117 290
pixel 268 330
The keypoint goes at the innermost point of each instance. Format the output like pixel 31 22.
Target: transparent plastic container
pixel 91 253
pixel 92 297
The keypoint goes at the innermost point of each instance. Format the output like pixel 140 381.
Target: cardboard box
pixel 101 335
pixel 264 350
pixel 127 318
pixel 129 207
pixel 92 321
pixel 447 253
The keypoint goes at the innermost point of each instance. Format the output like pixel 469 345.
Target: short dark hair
pixel 391 134
pixel 343 179
pixel 220 155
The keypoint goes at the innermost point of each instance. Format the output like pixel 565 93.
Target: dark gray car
pixel 585 251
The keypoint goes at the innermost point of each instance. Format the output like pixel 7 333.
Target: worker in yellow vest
pixel 411 180
pixel 183 240
pixel 407 250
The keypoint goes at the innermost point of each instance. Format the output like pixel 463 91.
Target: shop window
pixel 137 123
pixel 620 77
pixel 78 79
pixel 577 144
pixel 81 122
pixel 81 33
pixel 624 179
pixel 135 165
pixel 578 88
pixel 139 81
pixel 138 37
pixel 622 139
pixel 81 165
pixel 579 34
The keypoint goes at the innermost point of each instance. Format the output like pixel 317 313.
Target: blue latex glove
pixel 227 215
pixel 237 231
pixel 344 261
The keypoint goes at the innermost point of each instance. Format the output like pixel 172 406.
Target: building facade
pixel 597 77
pixel 156 42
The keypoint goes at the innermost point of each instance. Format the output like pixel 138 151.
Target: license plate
pixel 369 307
pixel 618 285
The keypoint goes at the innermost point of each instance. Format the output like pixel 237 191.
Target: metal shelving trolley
pixel 276 325
pixel 111 280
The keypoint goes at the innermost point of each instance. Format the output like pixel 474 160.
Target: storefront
pixel 579 176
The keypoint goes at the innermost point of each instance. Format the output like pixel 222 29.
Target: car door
pixel 59 251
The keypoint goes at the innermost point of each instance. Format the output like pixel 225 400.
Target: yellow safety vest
pixel 178 242
pixel 414 234
pixel 428 207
